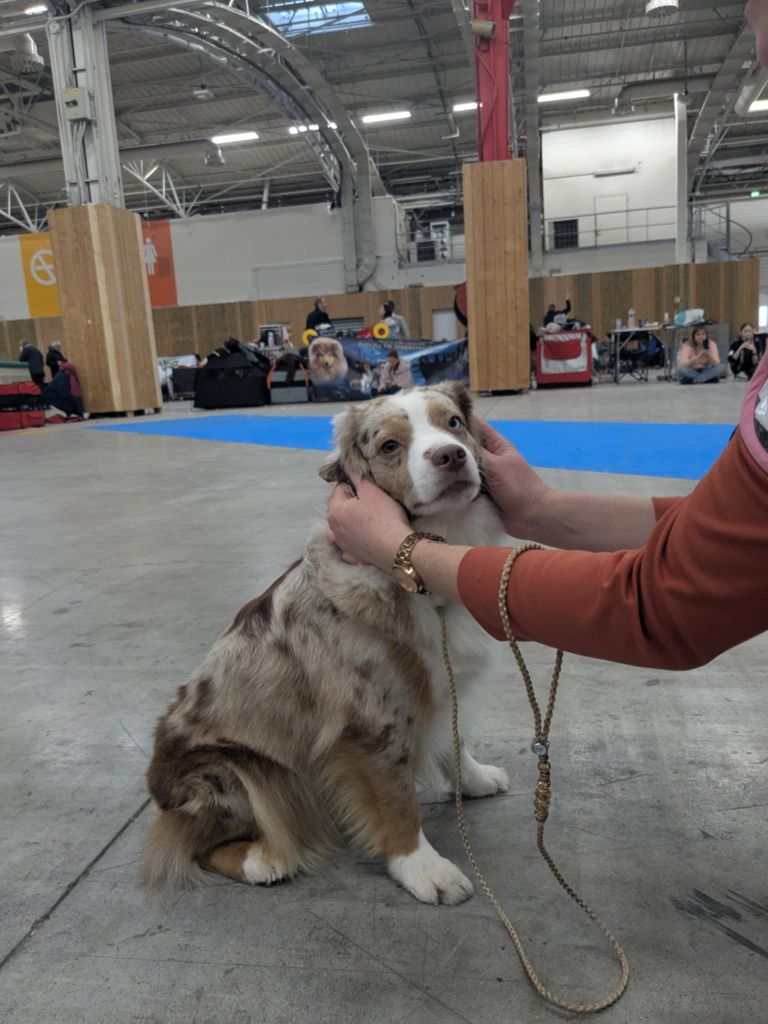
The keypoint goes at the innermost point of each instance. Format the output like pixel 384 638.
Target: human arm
pixel 564 519
pixel 687 355
pixel 567 308
pixel 694 590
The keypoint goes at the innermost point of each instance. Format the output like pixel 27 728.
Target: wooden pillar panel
pixel 496 227
pixel 108 330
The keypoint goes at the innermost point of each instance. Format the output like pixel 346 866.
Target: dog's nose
pixel 450 456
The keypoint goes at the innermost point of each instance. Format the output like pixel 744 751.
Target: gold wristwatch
pixel 402 568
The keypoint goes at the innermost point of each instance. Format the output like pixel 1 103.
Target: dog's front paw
pixel 483 779
pixel 430 877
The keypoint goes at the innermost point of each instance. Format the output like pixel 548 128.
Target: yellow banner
pixel 40 275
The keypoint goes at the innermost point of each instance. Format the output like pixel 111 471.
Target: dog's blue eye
pixel 390 446
pixel 454 423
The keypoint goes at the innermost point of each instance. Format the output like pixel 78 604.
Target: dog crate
pixel 564 358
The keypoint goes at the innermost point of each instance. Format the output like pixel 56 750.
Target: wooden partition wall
pixel 727 292
pixel 185 329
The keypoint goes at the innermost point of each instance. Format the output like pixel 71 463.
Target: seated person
pixel 742 355
pixel 551 313
pixel 63 394
pixel 394 374
pixel 699 361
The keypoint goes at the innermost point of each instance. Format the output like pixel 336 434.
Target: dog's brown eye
pixel 389 446
pixel 454 423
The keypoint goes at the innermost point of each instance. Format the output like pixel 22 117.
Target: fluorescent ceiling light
pixel 460 108
pixel 300 129
pixel 572 94
pixel 222 140
pixel 391 115
pixel 757 106
pixel 36 9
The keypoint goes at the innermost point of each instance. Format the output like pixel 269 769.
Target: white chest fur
pixel 471 650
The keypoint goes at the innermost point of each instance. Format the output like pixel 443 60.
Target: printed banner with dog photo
pixel 348 369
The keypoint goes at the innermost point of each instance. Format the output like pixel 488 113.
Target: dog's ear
pixel 346 455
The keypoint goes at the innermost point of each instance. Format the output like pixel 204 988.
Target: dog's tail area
pixel 172 848
pixel 256 799
pixel 290 817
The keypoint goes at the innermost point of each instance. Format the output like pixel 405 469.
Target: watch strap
pixel 403 555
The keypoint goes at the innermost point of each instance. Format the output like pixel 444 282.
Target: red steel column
pixel 492 80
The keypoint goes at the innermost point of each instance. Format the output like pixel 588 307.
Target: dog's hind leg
pixel 292 829
pixel 248 862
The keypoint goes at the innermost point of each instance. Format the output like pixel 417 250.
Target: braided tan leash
pixel 541 801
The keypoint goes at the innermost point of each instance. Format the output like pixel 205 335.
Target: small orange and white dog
pixel 324 707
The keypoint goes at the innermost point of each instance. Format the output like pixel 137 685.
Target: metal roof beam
pixel 598 42
pixel 706 133
pixel 253 49
pixel 618 12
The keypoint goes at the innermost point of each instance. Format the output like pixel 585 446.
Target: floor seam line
pixel 70 888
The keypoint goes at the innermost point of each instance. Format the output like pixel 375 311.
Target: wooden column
pixel 108 331
pixel 496 230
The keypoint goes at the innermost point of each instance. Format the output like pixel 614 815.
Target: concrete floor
pixel 122 559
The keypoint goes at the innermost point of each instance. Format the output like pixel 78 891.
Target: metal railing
pixel 412 251
pixel 622 226
pixel 723 234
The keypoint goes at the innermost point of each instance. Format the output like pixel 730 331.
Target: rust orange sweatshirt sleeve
pixel 698 587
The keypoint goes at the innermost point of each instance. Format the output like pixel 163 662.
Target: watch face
pixel 406 581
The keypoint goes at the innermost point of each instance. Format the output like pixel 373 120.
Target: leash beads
pixel 541 802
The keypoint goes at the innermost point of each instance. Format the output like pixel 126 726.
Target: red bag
pixel 32 418
pixel 10 420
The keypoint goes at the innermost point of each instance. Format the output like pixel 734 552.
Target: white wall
pixel 257 255
pixel 571 158
pixel 275 254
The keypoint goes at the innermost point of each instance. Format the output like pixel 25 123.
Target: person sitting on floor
pixel 742 355
pixel 63 394
pixel 699 361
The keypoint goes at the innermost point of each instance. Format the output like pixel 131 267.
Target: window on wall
pixel 762 318
pixel 293 19
pixel 565 234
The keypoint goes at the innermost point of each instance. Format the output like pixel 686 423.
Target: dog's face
pixel 418 446
pixel 326 359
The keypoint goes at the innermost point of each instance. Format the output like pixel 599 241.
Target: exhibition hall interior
pixel 384 511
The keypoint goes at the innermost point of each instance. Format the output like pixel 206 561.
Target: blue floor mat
pixel 642 449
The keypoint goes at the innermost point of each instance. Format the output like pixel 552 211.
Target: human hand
pixel 517 489
pixel 368 528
